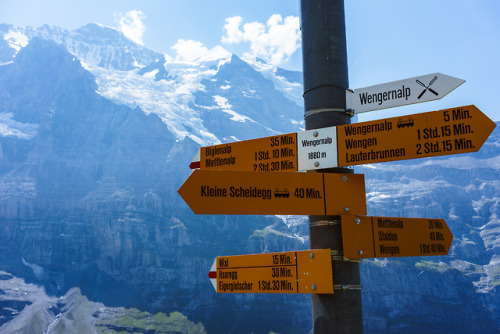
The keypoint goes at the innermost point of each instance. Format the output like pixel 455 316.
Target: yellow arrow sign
pixel 287 272
pixel 370 237
pixel 269 154
pixel 261 193
pixel 435 133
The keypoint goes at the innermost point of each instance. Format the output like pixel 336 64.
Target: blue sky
pixel 387 39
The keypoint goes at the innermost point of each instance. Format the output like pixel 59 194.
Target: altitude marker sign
pixel 262 193
pixel 435 133
pixel 379 237
pixel 402 92
pixel 287 272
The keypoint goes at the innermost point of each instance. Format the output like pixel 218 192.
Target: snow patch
pixel 291 90
pixel 490 277
pixel 171 100
pixel 490 233
pixel 216 54
pixel 12 128
pixel 16 39
pixel 151 75
pixel 480 203
pixel 37 270
pixel 222 102
pixel 226 107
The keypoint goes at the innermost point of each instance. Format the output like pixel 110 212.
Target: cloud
pixel 232 29
pixel 132 26
pixel 189 50
pixel 275 42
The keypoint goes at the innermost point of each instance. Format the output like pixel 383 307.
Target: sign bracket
pixel 347 287
pixel 325 223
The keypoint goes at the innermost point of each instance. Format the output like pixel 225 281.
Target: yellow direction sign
pixel 370 237
pixel 269 154
pixel 262 193
pixel 287 272
pixel 435 133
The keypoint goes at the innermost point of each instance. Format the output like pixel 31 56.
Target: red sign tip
pixel 194 165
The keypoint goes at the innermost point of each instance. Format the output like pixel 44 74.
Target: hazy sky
pixel 387 39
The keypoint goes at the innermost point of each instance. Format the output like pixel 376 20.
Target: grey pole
pixel 325 82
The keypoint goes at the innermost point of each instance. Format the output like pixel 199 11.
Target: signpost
pixel 307 271
pixel 261 193
pixel 436 133
pixel 370 237
pixel 402 92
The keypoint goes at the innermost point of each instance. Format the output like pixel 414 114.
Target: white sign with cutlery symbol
pixel 402 92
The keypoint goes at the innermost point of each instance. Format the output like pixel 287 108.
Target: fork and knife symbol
pixel 427 87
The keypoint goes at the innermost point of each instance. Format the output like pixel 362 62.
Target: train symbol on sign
pixel 405 123
pixel 281 193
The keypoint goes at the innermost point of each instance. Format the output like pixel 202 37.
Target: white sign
pixel 317 149
pixel 399 93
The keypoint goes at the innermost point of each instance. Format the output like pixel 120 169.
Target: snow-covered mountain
pixel 96 135
pixel 175 90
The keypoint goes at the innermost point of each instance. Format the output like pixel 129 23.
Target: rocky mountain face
pixel 96 135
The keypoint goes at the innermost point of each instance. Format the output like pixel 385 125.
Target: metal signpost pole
pixel 325 84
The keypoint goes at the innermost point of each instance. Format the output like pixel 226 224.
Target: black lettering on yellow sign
pixel 235 286
pixel 351 130
pixel 389 250
pixel 375 155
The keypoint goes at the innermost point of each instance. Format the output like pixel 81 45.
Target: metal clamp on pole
pixel 346 287
pixel 348 97
pixel 309 113
pixel 324 223
pixel 322 86
pixel 338 255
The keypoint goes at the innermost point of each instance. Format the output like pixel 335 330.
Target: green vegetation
pixel 494 272
pixel 135 321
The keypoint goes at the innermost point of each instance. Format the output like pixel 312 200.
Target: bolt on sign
pixel 378 237
pixel 287 272
pixel 435 133
pixel 262 193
